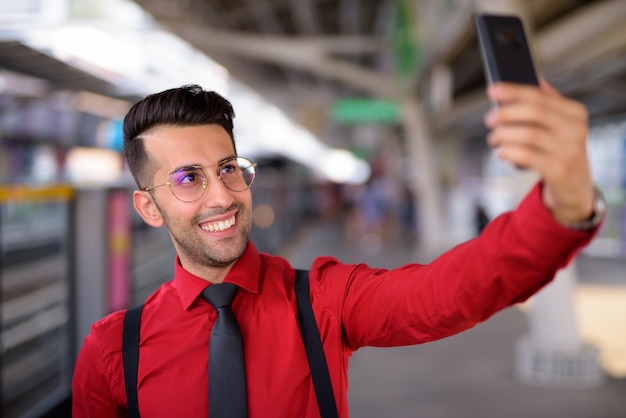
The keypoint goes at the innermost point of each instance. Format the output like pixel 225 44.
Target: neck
pixel 210 273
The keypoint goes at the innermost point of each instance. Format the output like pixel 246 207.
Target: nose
pixel 217 194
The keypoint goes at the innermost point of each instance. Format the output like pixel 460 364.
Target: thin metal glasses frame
pixel 243 164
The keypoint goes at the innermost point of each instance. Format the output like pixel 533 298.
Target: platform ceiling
pixel 305 54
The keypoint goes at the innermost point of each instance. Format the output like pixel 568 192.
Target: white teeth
pixel 219 226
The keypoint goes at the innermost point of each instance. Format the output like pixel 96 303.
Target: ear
pixel 147 209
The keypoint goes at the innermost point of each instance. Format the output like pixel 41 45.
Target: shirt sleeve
pixel 92 395
pixel 516 255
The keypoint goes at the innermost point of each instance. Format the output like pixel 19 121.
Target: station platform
pixel 473 374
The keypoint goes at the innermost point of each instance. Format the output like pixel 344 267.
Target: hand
pixel 539 129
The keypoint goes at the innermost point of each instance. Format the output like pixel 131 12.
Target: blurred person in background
pixel 180 147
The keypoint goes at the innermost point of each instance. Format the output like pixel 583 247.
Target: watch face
pixel 599 207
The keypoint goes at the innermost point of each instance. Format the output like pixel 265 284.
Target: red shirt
pixel 354 306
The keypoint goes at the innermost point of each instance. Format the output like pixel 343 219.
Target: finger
pixel 564 141
pixel 549 111
pixel 541 159
pixel 564 106
pixel 503 92
pixel 522 144
pixel 521 113
pixel 547 97
pixel 525 157
pixel 522 136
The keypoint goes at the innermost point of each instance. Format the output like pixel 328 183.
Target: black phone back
pixel 505 49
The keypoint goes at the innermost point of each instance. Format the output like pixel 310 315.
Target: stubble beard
pixel 191 244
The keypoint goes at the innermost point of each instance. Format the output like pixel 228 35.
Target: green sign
pixel 365 110
pixel 404 45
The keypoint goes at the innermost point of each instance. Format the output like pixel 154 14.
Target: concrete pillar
pixel 427 201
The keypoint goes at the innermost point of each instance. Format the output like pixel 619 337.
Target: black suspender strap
pixel 130 357
pixel 314 351
pixel 310 335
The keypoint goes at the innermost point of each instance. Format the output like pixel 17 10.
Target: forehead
pixel 176 146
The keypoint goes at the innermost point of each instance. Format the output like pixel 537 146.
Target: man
pixel 180 148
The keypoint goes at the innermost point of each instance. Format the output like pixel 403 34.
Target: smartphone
pixel 505 49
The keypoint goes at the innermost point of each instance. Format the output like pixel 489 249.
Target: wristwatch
pixel 599 211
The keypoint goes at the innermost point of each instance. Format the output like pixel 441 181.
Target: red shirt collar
pixel 246 273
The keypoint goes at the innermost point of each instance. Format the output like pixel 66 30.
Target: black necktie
pixel 227 377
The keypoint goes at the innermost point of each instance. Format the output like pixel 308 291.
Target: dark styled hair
pixel 189 105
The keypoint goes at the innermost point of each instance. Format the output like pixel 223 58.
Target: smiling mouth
pixel 219 226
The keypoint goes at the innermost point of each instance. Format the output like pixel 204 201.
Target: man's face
pixel 201 231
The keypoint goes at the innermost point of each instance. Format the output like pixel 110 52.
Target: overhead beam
pixel 570 38
pixel 340 44
pixel 315 55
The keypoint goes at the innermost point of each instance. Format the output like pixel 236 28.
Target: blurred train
pixel 71 255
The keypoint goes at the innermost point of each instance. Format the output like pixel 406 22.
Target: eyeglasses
pixel 189 183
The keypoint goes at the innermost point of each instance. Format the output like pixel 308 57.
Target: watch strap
pixel 599 212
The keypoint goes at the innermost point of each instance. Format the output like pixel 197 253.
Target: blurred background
pixel 365 118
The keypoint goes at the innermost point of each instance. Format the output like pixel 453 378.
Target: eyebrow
pixel 229 158
pixel 196 166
